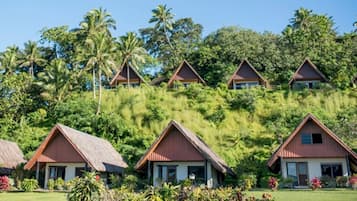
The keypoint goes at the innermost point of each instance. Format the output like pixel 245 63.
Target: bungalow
pixel 312 150
pixel 127 75
pixel 66 153
pixel 178 154
pixel 186 75
pixel 10 157
pixel 246 76
pixel 307 75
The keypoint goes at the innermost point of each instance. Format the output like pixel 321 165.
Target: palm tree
pixel 163 18
pixel 97 20
pixel 301 18
pixel 10 60
pixel 131 50
pixel 99 56
pixel 31 57
pixel 56 81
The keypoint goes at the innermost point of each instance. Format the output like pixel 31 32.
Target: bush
pixel 59 184
pixel 328 182
pixel 87 188
pixel 273 183
pixel 341 181
pixel 68 185
pixel 51 184
pixel 248 181
pixel 114 180
pixel 29 185
pixel 130 182
pixel 315 183
pixel 4 183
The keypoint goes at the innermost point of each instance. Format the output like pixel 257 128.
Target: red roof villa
pixel 178 154
pixel 307 75
pixel 312 150
pixel 246 76
pixel 185 74
pixel 66 153
pixel 127 75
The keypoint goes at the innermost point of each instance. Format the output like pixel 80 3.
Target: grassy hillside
pixel 243 127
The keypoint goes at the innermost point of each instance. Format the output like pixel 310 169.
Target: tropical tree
pixel 131 51
pixel 32 57
pixel 99 56
pixel 9 60
pixel 97 20
pixel 56 81
pixel 163 19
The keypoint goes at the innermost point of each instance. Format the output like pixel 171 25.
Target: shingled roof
pixel 196 142
pixel 97 152
pixel 10 154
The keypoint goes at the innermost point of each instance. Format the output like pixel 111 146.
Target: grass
pixel 309 195
pixel 34 196
pixel 281 195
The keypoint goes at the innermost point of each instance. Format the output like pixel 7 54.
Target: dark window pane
pixel 316 138
pixel 331 170
pixel 337 170
pixel 171 174
pixel 198 171
pixel 306 138
pixel 79 171
pixel 160 171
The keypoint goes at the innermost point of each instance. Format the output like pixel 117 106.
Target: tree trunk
pixel 100 91
pixel 31 70
pixel 93 82
pixel 128 74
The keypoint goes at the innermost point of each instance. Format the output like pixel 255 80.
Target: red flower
pixel 4 183
pixel 97 177
pixel 315 183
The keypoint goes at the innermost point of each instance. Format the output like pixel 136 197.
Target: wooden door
pixel 302 173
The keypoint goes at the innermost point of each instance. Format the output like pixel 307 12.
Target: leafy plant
pixel 87 188
pixel 4 183
pixel 29 185
pixel 51 184
pixel 273 183
pixel 59 184
pixel 315 183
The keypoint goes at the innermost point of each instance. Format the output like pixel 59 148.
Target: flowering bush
pixel 353 181
pixel 273 183
pixel 4 183
pixel 315 183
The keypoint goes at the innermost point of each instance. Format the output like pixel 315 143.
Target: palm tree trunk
pixel 128 74
pixel 100 91
pixel 31 70
pixel 93 82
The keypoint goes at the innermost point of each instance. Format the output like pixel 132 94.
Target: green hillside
pixel 243 127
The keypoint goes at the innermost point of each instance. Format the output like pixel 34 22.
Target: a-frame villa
pixel 246 76
pixel 312 150
pixel 66 153
pixel 185 74
pixel 178 154
pixel 307 76
pixel 127 75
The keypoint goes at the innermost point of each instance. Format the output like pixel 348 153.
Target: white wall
pixel 181 171
pixel 314 165
pixel 70 170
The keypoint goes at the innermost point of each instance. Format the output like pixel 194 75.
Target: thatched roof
pixel 10 154
pixel 97 152
pixel 197 142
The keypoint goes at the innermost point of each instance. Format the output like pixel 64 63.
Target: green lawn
pixel 281 195
pixel 309 195
pixel 15 196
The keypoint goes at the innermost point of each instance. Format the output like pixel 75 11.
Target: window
pixel 314 138
pixel 167 173
pixel 242 85
pixel 331 170
pixel 57 172
pixel 198 171
pixel 79 171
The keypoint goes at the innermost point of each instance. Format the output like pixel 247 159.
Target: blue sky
pixel 22 20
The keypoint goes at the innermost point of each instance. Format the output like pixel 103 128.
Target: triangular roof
pixel 185 64
pixel 117 75
pixel 308 117
pixel 97 152
pixel 245 61
pixel 196 142
pixel 312 66
pixel 10 154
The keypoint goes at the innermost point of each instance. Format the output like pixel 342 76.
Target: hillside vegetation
pixel 243 127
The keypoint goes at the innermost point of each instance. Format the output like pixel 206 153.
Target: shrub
pixel 353 182
pixel 273 183
pixel 29 185
pixel 51 184
pixel 4 183
pixel 328 182
pixel 248 181
pixel 114 180
pixel 87 188
pixel 59 184
pixel 315 183
pixel 130 182
pixel 341 181
pixel 68 185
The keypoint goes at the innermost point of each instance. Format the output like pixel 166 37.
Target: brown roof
pixel 185 64
pixel 313 67
pixel 308 117
pixel 195 141
pixel 97 152
pixel 257 74
pixel 10 154
pixel 119 77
